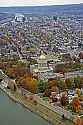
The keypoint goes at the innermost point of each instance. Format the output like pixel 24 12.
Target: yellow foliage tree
pixel 78 91
pixel 30 84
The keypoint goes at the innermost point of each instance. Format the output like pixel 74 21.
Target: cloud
pixel 36 2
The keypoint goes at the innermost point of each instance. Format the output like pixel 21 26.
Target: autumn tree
pixel 59 68
pixel 78 91
pixel 81 55
pixel 78 121
pixel 64 99
pixel 10 72
pixel 30 84
pixel 53 85
pixel 75 104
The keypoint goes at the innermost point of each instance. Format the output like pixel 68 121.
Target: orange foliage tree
pixel 64 99
pixel 75 104
pixel 53 85
pixel 78 121
pixel 29 83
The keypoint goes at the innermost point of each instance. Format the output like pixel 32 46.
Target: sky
pixel 37 2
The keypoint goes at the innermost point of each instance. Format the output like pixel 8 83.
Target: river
pixel 12 113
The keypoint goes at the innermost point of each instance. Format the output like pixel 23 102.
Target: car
pixel 70 98
pixel 71 92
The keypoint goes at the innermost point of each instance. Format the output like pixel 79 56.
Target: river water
pixel 12 113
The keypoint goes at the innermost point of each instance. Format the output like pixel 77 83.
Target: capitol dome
pixel 42 56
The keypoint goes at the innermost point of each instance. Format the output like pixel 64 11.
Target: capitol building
pixel 42 70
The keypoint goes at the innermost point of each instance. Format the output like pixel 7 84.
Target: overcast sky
pixel 37 2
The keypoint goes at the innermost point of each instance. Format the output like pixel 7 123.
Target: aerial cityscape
pixel 41 65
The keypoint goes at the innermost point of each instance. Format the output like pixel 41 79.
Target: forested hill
pixel 75 8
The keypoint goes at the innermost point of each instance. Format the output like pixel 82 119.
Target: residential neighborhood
pixel 41 63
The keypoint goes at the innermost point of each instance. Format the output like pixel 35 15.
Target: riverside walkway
pixel 43 109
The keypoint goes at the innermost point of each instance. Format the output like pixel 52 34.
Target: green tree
pixel 77 81
pixel 41 86
pixel 61 84
pixel 69 83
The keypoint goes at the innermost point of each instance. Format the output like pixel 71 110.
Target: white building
pixel 19 18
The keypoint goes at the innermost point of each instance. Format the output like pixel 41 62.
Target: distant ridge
pixel 43 9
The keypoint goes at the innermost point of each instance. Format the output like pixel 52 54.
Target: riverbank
pixel 12 113
pixel 38 108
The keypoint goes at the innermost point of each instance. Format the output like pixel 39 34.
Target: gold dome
pixel 42 56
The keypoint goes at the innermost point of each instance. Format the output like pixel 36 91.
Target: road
pixel 73 74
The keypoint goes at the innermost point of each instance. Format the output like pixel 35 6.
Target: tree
pixel 81 81
pixel 53 88
pixel 53 82
pixel 81 55
pixel 10 72
pixel 77 81
pixel 41 86
pixel 78 91
pixel 46 94
pixel 59 68
pixel 53 85
pixel 61 84
pixel 75 104
pixel 68 83
pixel 55 18
pixel 78 121
pixel 64 99
pixel 29 83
